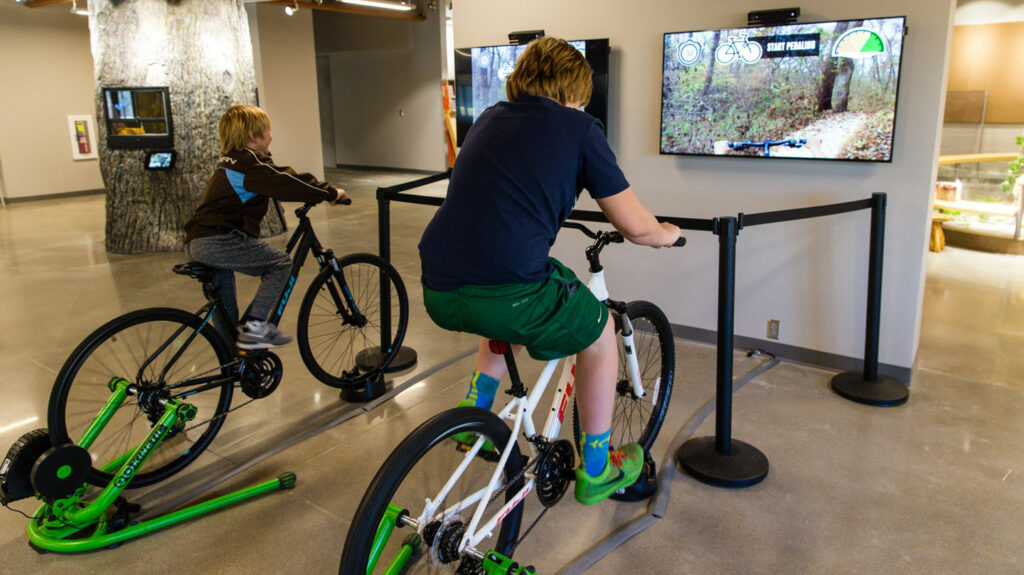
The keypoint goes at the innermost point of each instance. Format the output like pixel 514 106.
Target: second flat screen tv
pixel 480 75
pixel 824 90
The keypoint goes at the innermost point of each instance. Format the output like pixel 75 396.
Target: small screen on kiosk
pixel 160 160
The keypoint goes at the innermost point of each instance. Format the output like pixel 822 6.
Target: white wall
pixel 286 78
pixel 46 67
pixel 811 274
pixel 386 89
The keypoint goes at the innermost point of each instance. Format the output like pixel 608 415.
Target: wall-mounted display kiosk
pixel 138 118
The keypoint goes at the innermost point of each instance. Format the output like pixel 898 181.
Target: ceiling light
pixel 76 10
pixel 290 10
pixel 386 4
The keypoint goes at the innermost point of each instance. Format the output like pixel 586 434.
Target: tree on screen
pixel 834 69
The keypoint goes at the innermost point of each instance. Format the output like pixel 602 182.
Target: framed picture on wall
pixel 83 137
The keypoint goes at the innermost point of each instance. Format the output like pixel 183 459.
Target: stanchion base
pixel 369 357
pixel 743 466
pixel 886 392
pixel 368 392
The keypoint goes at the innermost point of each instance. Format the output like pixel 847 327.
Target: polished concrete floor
pixel 934 486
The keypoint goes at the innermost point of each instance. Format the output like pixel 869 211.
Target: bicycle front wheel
pixel 638 419
pixel 413 477
pixel 344 317
pixel 151 349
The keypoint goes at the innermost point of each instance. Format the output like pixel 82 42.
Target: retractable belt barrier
pixel 722 460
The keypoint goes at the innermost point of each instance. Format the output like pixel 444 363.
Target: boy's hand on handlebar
pixel 670 235
pixel 341 197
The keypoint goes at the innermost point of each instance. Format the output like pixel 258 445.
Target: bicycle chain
pixel 522 473
pixel 233 364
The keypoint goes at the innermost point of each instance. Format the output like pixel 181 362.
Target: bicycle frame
pixel 520 411
pixel 300 244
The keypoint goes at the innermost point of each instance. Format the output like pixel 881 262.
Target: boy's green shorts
pixel 554 318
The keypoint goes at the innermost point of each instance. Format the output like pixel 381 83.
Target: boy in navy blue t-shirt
pixel 485 262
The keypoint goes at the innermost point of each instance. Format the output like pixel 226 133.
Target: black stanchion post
pixel 721 460
pixel 406 357
pixel 868 387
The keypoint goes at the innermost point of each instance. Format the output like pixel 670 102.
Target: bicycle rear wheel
pixel 638 419
pixel 344 352
pixel 139 347
pixel 417 470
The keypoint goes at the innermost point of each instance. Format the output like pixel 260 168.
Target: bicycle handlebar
pixel 301 211
pixel 610 237
pixel 794 143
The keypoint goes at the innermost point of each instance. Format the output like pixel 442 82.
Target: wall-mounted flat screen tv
pixel 138 117
pixel 480 75
pixel 825 90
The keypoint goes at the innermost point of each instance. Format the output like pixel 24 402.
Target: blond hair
pixel 552 68
pixel 238 123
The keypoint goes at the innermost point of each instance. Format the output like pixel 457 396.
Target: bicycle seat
pixel 201 272
pixel 497 346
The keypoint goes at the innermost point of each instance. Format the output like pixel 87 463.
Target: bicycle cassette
pixel 555 472
pixel 260 374
pixel 444 540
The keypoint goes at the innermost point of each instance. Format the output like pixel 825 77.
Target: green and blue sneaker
pixel 466 440
pixel 622 470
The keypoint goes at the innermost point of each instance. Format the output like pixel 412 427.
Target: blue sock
pixel 594 451
pixel 482 388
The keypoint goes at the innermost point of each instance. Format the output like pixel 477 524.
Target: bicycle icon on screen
pixel 748 51
pixel 743 48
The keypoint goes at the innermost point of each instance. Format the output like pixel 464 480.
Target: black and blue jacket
pixel 239 193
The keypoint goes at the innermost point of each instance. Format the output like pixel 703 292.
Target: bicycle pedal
pixel 645 485
pixel 492 456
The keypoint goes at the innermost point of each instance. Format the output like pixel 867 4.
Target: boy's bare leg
pixel 596 369
pixel 493 364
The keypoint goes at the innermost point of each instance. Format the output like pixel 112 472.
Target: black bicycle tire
pixel 647 310
pixel 57 407
pixel 340 380
pixel 385 483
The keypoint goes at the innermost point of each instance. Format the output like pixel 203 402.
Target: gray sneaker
pixel 256 334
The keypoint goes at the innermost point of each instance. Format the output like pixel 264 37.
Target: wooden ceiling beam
pixel 41 3
pixel 350 9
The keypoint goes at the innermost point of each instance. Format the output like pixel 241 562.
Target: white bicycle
pixel 461 506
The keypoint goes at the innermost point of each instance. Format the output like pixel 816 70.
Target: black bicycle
pixel 350 326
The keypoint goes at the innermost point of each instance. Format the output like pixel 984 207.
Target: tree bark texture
pixel 200 50
pixel 828 70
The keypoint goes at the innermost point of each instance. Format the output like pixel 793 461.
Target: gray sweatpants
pixel 239 252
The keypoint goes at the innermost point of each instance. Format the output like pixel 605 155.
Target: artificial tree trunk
pixel 200 50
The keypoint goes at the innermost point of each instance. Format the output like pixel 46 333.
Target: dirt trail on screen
pixel 834 133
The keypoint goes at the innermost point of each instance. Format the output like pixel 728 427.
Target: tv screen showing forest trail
pixel 825 90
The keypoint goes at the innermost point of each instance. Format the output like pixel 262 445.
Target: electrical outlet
pixel 773 329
